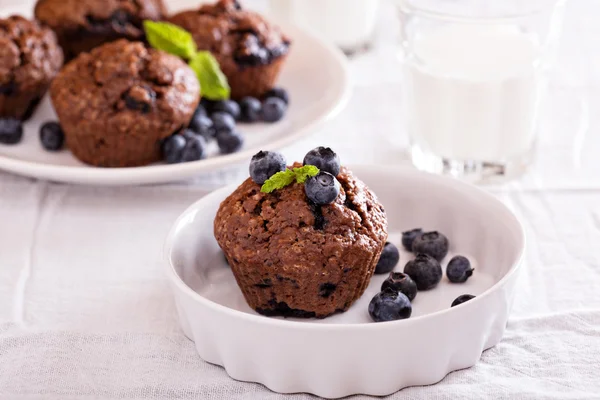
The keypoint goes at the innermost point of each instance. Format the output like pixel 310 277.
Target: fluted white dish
pixel 347 353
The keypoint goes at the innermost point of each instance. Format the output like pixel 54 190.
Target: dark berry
pixel 11 130
pixel 322 189
pixel 432 243
pixel 172 148
pixel 273 109
pixel 408 238
pixel 400 282
pixel 223 122
pixel 194 149
pixel 265 164
pixel 280 93
pixel 388 260
pixel 389 305
pixel 250 109
pixel 325 159
pixel 461 299
pixel 119 20
pixel 140 98
pixel 230 142
pixel 207 104
pixel 228 107
pixel 459 269
pixel 425 270
pixel 52 136
pixel 202 125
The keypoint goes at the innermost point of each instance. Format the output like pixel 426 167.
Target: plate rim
pixel 90 175
pixel 310 325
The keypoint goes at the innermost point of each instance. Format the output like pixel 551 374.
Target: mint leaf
pixel 170 38
pixel 278 181
pixel 213 83
pixel 303 173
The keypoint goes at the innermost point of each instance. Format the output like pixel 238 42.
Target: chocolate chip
pixel 327 289
pixel 266 283
pixel 8 89
pixel 119 19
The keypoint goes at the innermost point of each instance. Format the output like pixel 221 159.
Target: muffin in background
pixel 250 50
pixel 82 25
pixel 29 59
pixel 116 103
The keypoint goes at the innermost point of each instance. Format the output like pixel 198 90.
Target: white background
pixel 86 313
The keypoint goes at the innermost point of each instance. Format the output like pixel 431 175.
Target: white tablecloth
pixel 86 313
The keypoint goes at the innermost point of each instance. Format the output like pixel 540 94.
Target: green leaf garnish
pixel 213 83
pixel 278 181
pixel 287 177
pixel 179 42
pixel 303 173
pixel 170 38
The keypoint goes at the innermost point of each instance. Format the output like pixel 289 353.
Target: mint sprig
pixel 213 81
pixel 175 40
pixel 287 177
pixel 170 38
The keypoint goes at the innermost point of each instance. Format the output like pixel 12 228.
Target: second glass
pixel 474 74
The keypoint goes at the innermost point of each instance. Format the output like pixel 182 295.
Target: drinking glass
pixel 474 74
pixel 350 24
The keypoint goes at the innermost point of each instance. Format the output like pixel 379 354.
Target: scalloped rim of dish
pixel 260 319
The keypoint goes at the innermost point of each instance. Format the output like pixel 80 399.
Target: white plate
pixel 315 74
pixel 347 353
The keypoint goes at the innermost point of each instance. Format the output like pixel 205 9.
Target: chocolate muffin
pixel 29 59
pixel 82 25
pixel 249 49
pixel 293 258
pixel 118 102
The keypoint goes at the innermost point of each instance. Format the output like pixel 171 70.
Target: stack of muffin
pixel 116 98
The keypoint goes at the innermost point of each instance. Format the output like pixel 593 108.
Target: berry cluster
pixel 424 272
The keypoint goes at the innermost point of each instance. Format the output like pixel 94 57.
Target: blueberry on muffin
pixel 294 258
pixel 82 25
pixel 249 49
pixel 117 103
pixel 29 59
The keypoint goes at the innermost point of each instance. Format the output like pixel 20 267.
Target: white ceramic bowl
pixel 347 353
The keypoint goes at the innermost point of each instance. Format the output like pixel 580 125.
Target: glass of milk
pixel 350 24
pixel 474 75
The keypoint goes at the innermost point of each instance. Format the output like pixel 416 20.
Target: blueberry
pixel 140 98
pixel 432 243
pixel 194 149
pixel 461 299
pixel 52 136
pixel 228 107
pixel 459 269
pixel 223 122
pixel 402 283
pixel 202 125
pixel 388 260
pixel 322 189
pixel 408 237
pixel 11 130
pixel 325 159
pixel 207 104
pixel 273 109
pixel 250 108
pixel 230 142
pixel 389 305
pixel 172 148
pixel 265 164
pixel 425 270
pixel 280 93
